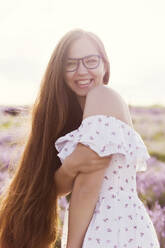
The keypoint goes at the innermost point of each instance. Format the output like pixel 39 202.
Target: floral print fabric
pixel 120 219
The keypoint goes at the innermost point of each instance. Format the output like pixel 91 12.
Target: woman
pixel 69 108
pixel 104 209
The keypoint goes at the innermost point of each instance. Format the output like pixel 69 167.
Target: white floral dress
pixel 120 219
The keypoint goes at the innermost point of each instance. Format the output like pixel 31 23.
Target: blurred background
pixel 132 32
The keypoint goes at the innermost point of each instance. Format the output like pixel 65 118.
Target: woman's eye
pixel 71 63
pixel 91 61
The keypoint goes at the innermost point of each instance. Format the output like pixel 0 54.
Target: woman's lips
pixel 84 83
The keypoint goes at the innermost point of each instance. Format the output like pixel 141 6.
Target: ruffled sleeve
pixel 105 135
pixel 142 154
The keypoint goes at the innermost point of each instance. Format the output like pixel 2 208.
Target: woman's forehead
pixel 82 47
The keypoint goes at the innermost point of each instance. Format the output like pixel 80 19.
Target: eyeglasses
pixel 89 62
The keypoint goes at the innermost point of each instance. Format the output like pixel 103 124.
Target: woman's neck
pixel 81 101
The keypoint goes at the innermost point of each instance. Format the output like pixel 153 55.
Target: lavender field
pixel 149 122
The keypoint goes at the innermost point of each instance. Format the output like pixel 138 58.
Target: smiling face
pixel 83 79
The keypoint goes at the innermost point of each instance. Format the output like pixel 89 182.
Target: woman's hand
pixel 85 160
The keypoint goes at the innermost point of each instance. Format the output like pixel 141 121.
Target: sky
pixel 131 30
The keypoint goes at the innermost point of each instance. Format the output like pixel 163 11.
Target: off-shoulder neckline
pixel 111 117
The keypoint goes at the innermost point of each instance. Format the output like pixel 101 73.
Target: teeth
pixel 84 82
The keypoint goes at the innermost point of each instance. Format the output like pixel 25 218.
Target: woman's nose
pixel 81 68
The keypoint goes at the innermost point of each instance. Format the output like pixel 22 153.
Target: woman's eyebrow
pixel 84 56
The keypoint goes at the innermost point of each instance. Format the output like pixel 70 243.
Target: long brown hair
pixel 28 209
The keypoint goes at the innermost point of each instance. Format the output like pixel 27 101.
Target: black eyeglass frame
pixel 82 59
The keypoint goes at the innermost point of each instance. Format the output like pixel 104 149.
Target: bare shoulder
pixel 107 101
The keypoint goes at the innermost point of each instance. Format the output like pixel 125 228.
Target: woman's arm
pixel 81 160
pixel 86 187
pixel 64 178
pixel 82 204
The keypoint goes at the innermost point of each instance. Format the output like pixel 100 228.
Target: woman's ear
pixel 107 72
pixel 106 76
